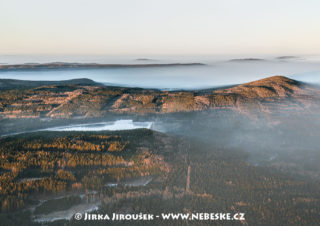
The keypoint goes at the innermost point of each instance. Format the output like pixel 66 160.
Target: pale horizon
pixel 142 27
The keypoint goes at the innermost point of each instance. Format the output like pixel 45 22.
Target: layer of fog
pixel 216 72
pixel 287 141
pixel 87 204
pixel 67 214
pixel 135 182
pixel 127 124
pixel 116 125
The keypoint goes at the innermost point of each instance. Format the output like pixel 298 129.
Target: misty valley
pixel 161 113
pixel 79 146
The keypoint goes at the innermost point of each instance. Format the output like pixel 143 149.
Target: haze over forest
pixel 158 107
pixel 82 146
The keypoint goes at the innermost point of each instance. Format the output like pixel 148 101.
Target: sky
pixel 164 27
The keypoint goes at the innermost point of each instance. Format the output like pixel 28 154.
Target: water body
pixel 217 71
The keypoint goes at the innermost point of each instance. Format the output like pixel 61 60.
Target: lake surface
pixel 216 72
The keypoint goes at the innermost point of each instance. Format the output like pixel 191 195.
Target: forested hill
pixel 7 84
pixel 84 98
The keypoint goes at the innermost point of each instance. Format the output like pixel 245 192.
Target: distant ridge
pixel 144 59
pixel 246 59
pixel 6 84
pixel 65 65
pixel 287 57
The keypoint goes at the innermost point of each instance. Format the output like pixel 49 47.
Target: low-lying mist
pixel 251 149
pixel 287 142
pixel 100 126
pixel 215 72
